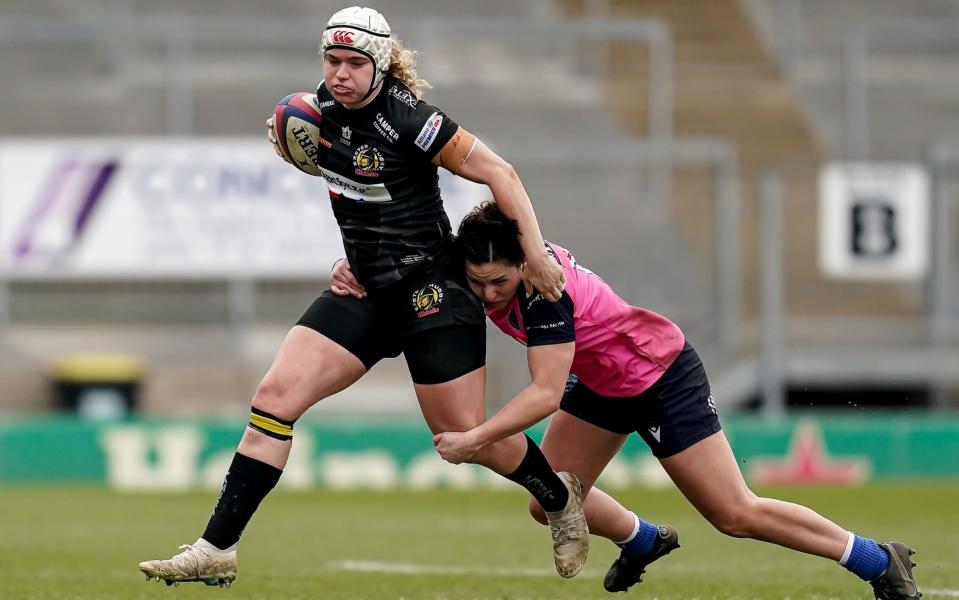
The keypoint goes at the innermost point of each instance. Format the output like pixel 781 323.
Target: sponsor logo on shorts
pixel 367 161
pixel 427 300
pixel 656 433
pixel 711 403
pixel 432 127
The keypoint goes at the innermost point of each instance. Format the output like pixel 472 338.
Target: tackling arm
pixel 470 158
pixel 549 369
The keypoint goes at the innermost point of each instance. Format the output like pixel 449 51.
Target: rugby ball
pixel 296 125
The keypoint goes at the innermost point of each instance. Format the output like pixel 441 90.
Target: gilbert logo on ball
pixel 296 122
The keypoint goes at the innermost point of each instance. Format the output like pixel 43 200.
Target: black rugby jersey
pixel 383 188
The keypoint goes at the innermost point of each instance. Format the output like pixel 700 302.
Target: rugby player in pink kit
pixel 605 369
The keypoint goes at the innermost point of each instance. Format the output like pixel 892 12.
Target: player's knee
pixel 735 519
pixel 536 511
pixel 271 397
pixel 271 414
pixel 733 528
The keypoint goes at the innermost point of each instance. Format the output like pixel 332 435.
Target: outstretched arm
pixel 470 158
pixel 549 368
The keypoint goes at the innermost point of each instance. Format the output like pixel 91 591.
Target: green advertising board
pixel 382 454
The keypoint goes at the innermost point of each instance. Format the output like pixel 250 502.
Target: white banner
pixel 873 221
pixel 170 208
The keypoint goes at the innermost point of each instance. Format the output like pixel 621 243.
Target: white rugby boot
pixel 200 561
pixel 569 530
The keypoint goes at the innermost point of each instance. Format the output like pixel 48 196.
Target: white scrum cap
pixel 363 30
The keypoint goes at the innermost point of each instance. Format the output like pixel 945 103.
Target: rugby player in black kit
pixel 379 151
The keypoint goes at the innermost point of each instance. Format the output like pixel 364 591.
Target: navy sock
pixel 866 558
pixel 642 540
pixel 535 474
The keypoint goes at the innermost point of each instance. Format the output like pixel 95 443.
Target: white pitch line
pixel 411 569
pixel 366 566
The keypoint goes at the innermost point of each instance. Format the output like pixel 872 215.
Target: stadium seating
pixel 726 85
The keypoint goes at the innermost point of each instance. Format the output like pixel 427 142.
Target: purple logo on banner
pixel 62 210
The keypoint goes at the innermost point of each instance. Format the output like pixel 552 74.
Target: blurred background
pixel 779 177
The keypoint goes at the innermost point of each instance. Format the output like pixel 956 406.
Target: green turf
pixel 85 544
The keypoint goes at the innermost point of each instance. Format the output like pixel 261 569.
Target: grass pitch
pixel 75 543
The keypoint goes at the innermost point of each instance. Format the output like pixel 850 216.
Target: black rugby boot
pixel 896 582
pixel 628 570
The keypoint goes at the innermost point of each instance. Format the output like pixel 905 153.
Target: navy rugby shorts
pixel 432 318
pixel 672 415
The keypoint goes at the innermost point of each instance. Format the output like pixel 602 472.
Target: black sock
pixel 535 474
pixel 247 482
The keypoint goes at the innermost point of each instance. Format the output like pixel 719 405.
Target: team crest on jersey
pixel 367 161
pixel 427 300
pixel 346 135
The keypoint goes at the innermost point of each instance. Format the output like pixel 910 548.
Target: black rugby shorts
pixel 672 415
pixel 432 318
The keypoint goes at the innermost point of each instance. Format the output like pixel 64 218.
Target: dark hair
pixel 487 235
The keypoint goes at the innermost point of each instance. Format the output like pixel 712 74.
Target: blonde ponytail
pixel 403 67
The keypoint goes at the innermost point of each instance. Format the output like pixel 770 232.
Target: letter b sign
pixel 873 229
pixel 874 221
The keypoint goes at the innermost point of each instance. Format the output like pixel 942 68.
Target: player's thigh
pixel 331 347
pixel 356 324
pixel 574 445
pixel 709 477
pixel 448 368
pixel 456 405
pixel 680 424
pixel 307 368
pixel 587 431
pixel 443 330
